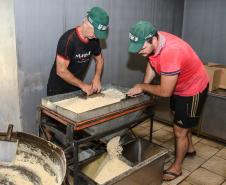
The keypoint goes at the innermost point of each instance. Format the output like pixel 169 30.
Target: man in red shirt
pixel 182 77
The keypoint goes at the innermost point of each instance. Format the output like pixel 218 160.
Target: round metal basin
pixel 38 162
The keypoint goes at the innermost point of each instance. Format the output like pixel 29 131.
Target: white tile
pixel 145 124
pixel 216 165
pixel 222 153
pixel 140 131
pixel 204 177
pixel 168 128
pixel 193 163
pixel 157 125
pixel 195 139
pixel 154 140
pixel 170 144
pixel 167 165
pixel 184 183
pixel 212 143
pixel 205 151
pixel 162 135
pixel 164 183
pixel 170 158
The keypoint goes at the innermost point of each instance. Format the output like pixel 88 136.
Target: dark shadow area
pixel 137 62
pixel 103 43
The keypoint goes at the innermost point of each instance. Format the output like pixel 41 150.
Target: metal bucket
pixel 38 162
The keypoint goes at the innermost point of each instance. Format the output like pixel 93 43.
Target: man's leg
pixel 181 135
pixel 190 144
pixel 182 143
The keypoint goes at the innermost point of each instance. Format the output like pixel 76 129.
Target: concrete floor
pixel 208 167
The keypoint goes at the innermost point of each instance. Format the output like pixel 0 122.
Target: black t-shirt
pixel 78 52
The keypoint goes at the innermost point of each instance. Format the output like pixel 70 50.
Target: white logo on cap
pixel 100 26
pixel 90 20
pixel 133 38
pixel 149 36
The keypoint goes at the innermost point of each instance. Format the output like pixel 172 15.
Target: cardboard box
pixel 222 75
pixel 214 77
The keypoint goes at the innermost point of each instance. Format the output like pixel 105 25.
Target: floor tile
pixel 170 158
pixel 170 144
pixel 184 183
pixel 140 131
pixel 222 153
pixel 167 165
pixel 162 135
pixel 154 140
pixel 216 165
pixel 145 124
pixel 164 183
pixel 157 126
pixel 195 139
pixel 193 163
pixel 205 151
pixel 212 143
pixel 168 128
pixel 204 177
pixel 179 179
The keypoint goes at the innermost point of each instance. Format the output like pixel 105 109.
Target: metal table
pixel 75 123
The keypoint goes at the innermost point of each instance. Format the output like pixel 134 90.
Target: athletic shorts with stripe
pixel 187 109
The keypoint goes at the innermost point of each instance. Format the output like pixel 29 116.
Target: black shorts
pixel 187 109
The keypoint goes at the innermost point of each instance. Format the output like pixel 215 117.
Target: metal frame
pixel 72 126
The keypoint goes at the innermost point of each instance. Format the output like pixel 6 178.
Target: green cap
pixel 139 33
pixel 100 20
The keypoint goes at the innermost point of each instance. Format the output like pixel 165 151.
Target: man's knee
pixel 180 132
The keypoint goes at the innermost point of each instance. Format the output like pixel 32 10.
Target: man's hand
pixel 87 88
pixel 96 85
pixel 137 89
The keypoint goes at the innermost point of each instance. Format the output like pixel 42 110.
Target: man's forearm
pixel 99 69
pixel 68 77
pixel 155 90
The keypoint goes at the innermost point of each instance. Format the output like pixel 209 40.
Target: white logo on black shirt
pixel 83 57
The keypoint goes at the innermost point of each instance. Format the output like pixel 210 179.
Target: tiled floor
pixel 208 167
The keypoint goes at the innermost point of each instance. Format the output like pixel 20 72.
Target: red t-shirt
pixel 176 57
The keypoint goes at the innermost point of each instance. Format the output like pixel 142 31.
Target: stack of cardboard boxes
pixel 217 76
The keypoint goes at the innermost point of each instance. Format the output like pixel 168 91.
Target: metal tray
pixel 49 102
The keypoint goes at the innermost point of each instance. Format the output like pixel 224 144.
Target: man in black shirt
pixel 74 51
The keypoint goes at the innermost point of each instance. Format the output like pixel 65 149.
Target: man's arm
pixel 149 75
pixel 96 82
pixel 62 71
pixel 165 89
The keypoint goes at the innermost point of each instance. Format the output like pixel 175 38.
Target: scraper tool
pixel 95 95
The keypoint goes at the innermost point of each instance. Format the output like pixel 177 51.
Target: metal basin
pixel 38 162
pixel 147 161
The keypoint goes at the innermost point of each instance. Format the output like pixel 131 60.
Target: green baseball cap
pixel 100 20
pixel 139 33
